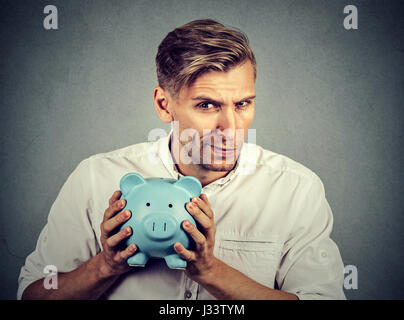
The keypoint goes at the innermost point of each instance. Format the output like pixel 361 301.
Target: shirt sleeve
pixel 68 238
pixel 311 265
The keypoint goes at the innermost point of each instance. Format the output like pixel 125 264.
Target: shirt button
pixel 188 294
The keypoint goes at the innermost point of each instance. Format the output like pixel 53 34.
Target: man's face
pixel 219 107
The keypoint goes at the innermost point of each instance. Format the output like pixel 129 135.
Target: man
pixel 264 219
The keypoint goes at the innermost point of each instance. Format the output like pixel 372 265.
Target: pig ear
pixel 129 180
pixel 191 184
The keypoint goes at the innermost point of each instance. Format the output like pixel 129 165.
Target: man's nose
pixel 226 129
pixel 227 120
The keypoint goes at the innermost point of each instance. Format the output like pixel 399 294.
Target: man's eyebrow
pixel 220 102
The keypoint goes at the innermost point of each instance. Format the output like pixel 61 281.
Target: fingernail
pixel 127 213
pixel 122 203
pixel 195 199
pixel 191 205
pixel 127 230
pixel 187 224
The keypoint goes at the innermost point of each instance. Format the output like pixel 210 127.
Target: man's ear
pixel 161 104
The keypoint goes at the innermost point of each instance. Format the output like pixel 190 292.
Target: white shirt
pixel 272 218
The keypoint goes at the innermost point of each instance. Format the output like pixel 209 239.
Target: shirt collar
pixel 244 160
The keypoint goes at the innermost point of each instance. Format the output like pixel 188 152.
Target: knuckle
pixel 131 249
pixel 124 215
pixel 190 257
pixel 114 195
pixel 122 255
pixel 200 242
pixel 102 227
pixel 125 254
pixel 118 204
pixel 198 214
pixel 122 234
pixel 109 242
pixel 117 258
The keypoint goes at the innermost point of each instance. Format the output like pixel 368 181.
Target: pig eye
pixel 148 204
pixel 170 205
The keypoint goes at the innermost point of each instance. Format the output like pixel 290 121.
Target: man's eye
pixel 206 105
pixel 243 103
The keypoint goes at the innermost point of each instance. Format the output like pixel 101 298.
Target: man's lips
pixel 222 150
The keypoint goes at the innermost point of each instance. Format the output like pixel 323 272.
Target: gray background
pixel 328 98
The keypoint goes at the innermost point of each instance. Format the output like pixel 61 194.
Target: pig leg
pixel 175 262
pixel 139 259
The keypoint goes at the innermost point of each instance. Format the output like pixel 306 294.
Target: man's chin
pixel 219 167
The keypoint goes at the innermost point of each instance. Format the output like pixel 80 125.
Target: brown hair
pixel 198 47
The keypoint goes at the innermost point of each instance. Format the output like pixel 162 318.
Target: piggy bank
pixel 158 207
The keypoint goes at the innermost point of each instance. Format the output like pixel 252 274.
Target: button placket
pixel 187 295
pixel 191 289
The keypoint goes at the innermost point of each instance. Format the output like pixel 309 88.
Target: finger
pixel 185 254
pixel 196 235
pixel 204 197
pixel 115 221
pixel 114 208
pixel 207 224
pixel 123 255
pixel 119 236
pixel 115 196
pixel 199 215
pixel 204 206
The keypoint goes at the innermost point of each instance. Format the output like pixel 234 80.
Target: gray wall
pixel 327 97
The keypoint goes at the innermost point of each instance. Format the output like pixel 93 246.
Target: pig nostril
pixel 160 227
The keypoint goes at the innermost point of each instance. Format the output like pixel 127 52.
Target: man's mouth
pixel 222 151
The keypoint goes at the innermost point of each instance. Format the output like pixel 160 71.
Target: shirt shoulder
pixel 286 172
pixel 111 165
pixel 140 149
pixel 276 162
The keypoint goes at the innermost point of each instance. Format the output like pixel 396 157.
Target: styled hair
pixel 196 48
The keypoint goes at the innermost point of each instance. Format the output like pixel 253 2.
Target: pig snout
pixel 160 227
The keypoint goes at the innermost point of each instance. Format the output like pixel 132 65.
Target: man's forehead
pixel 238 82
pixel 202 92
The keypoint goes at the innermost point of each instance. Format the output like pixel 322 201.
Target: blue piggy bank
pixel 158 211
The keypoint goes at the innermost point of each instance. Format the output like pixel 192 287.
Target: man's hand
pixel 201 261
pixel 114 258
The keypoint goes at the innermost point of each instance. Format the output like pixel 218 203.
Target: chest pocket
pixel 257 258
